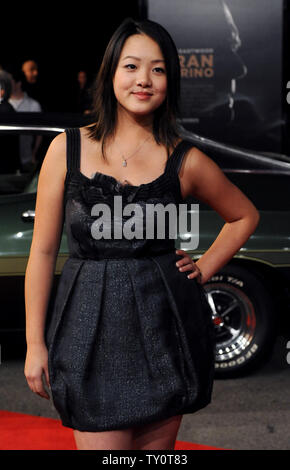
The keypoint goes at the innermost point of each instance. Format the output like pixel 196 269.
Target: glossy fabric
pixel 129 336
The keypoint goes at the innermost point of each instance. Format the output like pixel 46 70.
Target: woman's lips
pixel 142 96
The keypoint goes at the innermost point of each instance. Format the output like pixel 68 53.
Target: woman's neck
pixel 132 126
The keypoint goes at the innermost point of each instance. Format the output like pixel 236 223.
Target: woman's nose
pixel 144 80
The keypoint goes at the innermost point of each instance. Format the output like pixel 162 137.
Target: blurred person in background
pixel 31 83
pixel 5 92
pixel 30 70
pixel 9 144
pixel 19 98
pixel 22 102
pixel 83 93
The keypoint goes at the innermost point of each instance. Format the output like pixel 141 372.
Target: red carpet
pixel 25 432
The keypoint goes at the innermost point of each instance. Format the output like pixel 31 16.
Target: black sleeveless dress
pixel 130 338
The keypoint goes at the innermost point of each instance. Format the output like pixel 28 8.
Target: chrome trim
pixel 28 215
pixel 31 128
pixel 234 150
pixel 256 171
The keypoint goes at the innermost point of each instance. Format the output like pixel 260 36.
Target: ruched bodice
pixel 83 193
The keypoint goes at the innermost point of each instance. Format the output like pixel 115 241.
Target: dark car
pixel 249 297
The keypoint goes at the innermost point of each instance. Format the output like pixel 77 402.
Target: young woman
pixel 128 346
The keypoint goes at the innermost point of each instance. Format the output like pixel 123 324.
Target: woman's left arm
pixel 207 182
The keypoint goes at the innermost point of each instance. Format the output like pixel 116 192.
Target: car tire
pixel 244 320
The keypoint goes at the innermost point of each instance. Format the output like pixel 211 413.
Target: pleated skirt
pixel 130 341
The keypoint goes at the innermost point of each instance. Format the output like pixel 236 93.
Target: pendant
pixel 124 163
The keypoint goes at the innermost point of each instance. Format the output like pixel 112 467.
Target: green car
pixel 249 297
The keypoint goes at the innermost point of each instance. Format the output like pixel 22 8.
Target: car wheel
pixel 244 321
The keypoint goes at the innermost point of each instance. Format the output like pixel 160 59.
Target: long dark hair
pixel 165 129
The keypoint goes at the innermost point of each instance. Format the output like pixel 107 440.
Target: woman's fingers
pixel 185 259
pixel 30 384
pixel 47 376
pixel 187 264
pixel 190 267
pixel 193 275
pixel 186 267
pixel 36 369
pixel 39 388
pixel 36 385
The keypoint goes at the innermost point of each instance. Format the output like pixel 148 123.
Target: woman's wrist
pixel 199 277
pixel 35 343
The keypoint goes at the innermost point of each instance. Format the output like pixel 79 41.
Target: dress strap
pixel 73 148
pixel 176 158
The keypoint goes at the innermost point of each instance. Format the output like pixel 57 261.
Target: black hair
pixel 5 84
pixel 104 101
pixel 16 72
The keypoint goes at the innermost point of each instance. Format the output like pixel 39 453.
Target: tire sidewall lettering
pixel 240 360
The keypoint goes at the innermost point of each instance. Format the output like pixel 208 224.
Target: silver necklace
pixel 124 162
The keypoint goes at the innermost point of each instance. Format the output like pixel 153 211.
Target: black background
pixel 65 37
pixel 62 38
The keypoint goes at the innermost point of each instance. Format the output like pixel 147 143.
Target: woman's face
pixel 140 81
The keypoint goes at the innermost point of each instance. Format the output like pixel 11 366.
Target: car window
pixel 21 155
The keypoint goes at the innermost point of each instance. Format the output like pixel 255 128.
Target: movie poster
pixel 231 67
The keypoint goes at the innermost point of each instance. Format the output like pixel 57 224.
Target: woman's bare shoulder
pixel 198 164
pixel 58 143
pixel 54 162
pixel 198 158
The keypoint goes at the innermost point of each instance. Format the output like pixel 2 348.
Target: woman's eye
pixel 130 66
pixel 159 70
